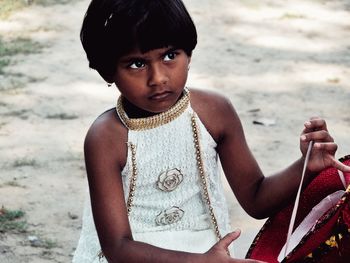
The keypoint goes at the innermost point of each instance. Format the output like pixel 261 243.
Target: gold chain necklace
pixel 156 120
pixel 200 166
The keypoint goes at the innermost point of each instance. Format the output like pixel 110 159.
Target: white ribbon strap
pixel 296 204
pixel 342 179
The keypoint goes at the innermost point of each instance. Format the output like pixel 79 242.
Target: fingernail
pixel 307 123
pixel 303 137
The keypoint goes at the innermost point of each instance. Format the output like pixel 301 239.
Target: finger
pixel 321 136
pixel 330 147
pixel 318 120
pixel 315 118
pixel 315 123
pixel 340 166
pixel 228 239
pixel 330 160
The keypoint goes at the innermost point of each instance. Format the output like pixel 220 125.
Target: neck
pixel 134 111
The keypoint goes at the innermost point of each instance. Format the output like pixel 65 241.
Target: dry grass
pixel 10 221
pixel 7 7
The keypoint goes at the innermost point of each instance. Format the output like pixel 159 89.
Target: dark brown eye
pixel 137 64
pixel 170 56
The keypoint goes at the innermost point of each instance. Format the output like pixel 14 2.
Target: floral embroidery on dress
pixel 169 180
pixel 169 216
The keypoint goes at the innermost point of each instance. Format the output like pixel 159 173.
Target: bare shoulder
pixel 211 98
pixel 107 127
pixel 105 156
pixel 106 137
pixel 215 111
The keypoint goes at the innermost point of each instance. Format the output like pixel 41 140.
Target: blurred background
pixel 280 62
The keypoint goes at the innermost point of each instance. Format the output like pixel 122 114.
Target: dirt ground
pixel 280 62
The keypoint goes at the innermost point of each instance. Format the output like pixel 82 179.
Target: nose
pixel 157 75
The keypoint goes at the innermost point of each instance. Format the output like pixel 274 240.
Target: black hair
pixel 112 28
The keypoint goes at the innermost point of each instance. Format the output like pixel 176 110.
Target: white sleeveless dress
pixel 168 210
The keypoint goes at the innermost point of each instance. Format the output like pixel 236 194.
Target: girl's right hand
pixel 218 252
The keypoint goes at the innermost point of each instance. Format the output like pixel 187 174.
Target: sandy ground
pixel 280 62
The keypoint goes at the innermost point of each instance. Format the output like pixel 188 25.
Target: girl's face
pixel 152 81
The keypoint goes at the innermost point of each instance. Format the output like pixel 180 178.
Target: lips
pixel 160 95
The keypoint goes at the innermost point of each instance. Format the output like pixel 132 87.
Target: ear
pixel 188 62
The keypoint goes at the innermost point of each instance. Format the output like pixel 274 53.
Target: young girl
pixel 152 162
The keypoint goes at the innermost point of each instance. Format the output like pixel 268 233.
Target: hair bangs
pixel 162 28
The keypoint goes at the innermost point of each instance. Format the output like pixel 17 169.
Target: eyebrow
pixel 130 58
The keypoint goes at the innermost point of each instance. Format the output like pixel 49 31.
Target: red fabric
pixel 273 234
pixel 314 241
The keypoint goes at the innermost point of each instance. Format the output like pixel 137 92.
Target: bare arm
pixel 105 155
pixel 261 196
pixel 283 185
